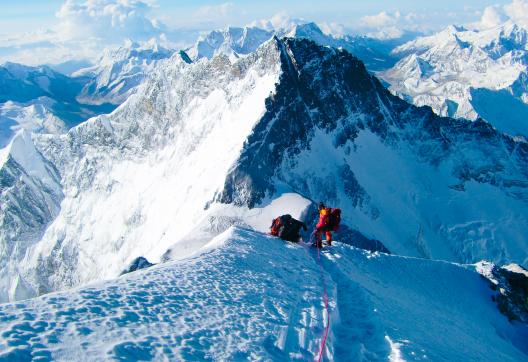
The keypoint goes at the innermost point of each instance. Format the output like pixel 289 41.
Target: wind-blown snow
pixel 220 217
pixel 251 296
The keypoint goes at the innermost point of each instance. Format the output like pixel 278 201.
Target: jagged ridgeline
pixel 291 117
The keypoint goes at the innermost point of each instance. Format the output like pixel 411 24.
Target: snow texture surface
pixel 251 296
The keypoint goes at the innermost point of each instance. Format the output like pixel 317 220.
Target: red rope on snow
pixel 325 300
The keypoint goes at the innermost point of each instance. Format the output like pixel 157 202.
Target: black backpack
pixel 334 219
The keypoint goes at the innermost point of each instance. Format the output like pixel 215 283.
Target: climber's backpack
pixel 334 219
pixel 280 224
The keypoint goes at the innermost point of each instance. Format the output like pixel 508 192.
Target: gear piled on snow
pixel 287 228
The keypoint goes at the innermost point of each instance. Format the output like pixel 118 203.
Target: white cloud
pixel 390 32
pixel 111 20
pixel 333 28
pixel 83 29
pixel 390 25
pixel 493 16
pixel 380 20
pixel 518 12
pixel 281 20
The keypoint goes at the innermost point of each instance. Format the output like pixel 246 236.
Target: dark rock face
pixel 137 264
pixel 325 96
pixel 329 89
pixel 319 88
pixel 512 296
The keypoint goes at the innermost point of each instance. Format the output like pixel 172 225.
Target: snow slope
pixel 249 296
pixel 29 200
pixel 467 73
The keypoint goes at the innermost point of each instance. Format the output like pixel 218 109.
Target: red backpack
pixel 334 219
pixel 278 223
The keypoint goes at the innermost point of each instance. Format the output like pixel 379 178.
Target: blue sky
pixel 60 30
pixel 32 15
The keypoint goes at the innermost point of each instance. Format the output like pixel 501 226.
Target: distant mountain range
pixel 468 74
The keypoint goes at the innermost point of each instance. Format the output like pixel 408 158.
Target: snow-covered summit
pixel 467 73
pixel 35 117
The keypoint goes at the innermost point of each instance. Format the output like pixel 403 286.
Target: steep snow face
pixel 30 195
pixel 138 180
pixel 423 185
pixel 250 296
pixel 467 74
pixel 119 72
pixel 238 42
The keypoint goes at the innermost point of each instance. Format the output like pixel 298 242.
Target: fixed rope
pixel 327 309
pixel 326 330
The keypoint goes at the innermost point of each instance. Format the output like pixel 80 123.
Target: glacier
pixel 245 295
pixel 200 146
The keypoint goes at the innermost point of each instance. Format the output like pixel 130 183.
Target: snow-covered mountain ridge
pixel 246 295
pixel 175 162
pixel 237 42
pixel 41 100
pixel 467 73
